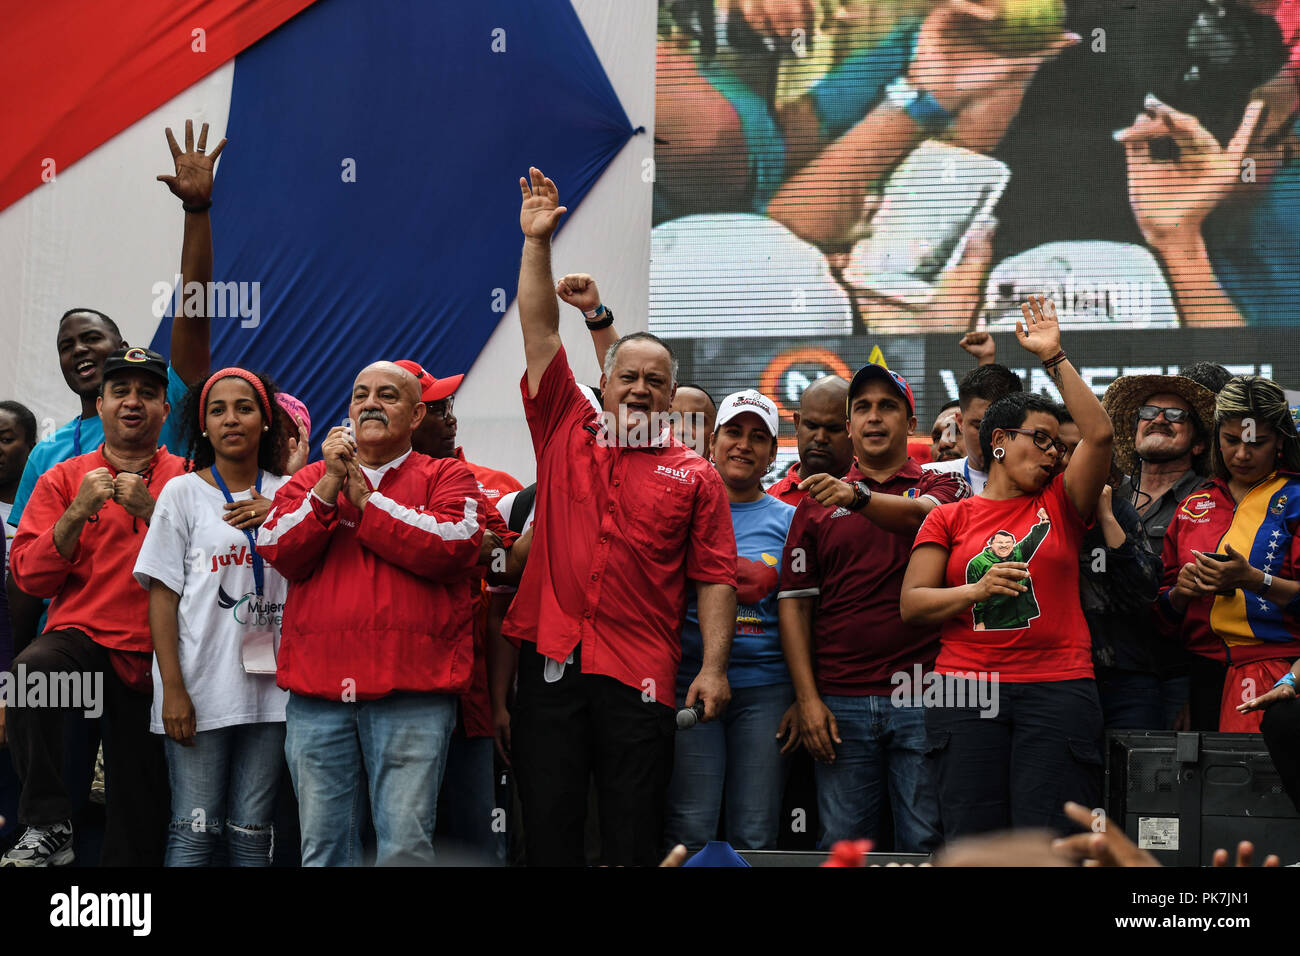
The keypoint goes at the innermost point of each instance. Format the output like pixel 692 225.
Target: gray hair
pixel 612 354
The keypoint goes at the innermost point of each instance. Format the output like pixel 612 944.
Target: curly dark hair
pixel 272 450
pixel 1009 412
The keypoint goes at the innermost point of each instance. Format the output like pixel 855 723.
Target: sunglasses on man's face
pixel 1174 416
pixel 440 408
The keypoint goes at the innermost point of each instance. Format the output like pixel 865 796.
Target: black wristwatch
pixel 861 495
pixel 602 318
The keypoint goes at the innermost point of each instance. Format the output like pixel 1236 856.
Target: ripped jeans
pixel 224 786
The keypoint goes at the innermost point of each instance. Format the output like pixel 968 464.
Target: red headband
pixel 232 372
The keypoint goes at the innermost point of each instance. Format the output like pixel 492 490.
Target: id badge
pixel 258 652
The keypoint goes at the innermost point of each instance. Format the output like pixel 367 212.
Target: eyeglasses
pixel 1174 416
pixel 1042 441
pixel 442 407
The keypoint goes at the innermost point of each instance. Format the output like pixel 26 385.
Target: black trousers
pixel 1018 768
pixel 1281 730
pixel 584 725
pixel 135 769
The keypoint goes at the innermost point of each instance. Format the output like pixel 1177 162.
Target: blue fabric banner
pixel 370 183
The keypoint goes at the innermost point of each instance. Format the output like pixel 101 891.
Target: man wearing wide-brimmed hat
pixel 1161 443
pixel 1162 440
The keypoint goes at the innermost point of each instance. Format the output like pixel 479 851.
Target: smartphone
pixel 930 205
pixel 1217 556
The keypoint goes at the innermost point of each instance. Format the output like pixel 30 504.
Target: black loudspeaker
pixel 1184 795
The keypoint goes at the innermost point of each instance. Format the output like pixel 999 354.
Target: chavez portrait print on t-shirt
pixel 1003 612
pixel 1039 634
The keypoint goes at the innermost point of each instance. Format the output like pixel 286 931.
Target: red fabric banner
pixel 75 74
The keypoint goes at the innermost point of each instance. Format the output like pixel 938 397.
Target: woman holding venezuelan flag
pixel 1232 557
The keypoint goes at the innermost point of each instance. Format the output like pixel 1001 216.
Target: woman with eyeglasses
pixel 215 609
pixel 1231 556
pixel 1017 732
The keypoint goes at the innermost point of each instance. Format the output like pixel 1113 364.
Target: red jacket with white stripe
pixel 379 601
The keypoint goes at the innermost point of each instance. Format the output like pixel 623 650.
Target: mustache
pixel 372 414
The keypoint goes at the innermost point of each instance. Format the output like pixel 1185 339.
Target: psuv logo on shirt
pixel 683 475
pixel 1197 507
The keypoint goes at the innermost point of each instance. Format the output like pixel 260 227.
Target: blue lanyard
pixel 966 468
pixel 258 576
pixel 76 439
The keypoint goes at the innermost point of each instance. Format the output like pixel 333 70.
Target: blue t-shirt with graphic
pixel 756 658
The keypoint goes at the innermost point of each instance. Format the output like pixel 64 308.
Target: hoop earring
pixel 999 453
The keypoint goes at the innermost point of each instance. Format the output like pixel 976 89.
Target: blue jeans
pixel 387 753
pixel 883 745
pixel 468 822
pixel 225 783
pixel 737 755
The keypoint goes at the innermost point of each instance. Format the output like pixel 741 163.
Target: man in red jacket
pixel 380 545
pixel 466 817
pixel 76 545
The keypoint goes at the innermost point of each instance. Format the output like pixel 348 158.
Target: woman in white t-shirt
pixel 215 609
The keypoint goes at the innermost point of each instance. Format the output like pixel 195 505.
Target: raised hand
pixel 298 450
pixel 540 210
pixel 980 345
pixel 1040 333
pixel 579 290
pixel 1171 199
pixel 192 181
pixel 955 68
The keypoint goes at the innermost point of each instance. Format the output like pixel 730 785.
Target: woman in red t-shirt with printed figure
pixel 1018 730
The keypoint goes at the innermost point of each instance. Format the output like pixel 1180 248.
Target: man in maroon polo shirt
pixel 844 641
pixel 599 611
pixel 824 446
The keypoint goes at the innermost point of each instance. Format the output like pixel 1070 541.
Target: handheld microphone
pixel 688 717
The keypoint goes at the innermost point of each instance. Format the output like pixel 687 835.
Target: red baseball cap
pixel 431 389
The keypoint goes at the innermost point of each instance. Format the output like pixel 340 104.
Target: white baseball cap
pixel 749 400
